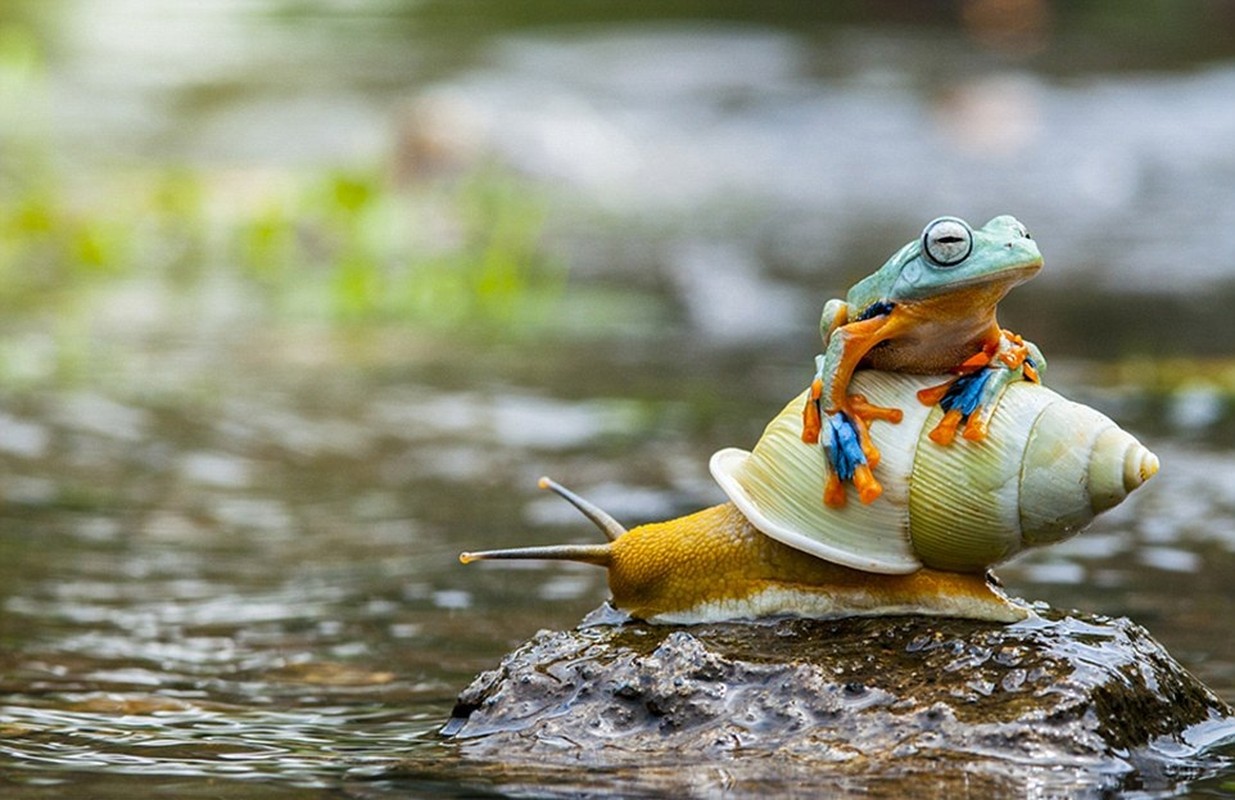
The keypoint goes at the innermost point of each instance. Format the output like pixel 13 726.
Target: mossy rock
pixel 1066 700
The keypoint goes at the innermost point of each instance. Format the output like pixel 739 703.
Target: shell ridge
pixel 1020 474
pixel 964 504
pixel 1048 452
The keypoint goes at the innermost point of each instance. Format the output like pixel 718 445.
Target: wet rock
pixel 1089 701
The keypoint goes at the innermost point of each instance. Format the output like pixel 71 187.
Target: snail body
pixel 714 565
pixel 1047 467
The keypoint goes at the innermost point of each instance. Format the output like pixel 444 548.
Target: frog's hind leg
pixel 971 398
pixel 961 402
pixel 1023 361
pixel 945 394
pixel 932 395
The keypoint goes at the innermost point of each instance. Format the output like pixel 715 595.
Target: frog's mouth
pixel 1014 268
pixel 1027 270
pixel 1007 276
pixel 983 292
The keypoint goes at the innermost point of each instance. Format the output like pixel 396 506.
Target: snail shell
pixel 1047 467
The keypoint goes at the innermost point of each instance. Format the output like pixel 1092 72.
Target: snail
pixel 1045 468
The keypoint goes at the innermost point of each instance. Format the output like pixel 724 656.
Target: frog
pixel 930 309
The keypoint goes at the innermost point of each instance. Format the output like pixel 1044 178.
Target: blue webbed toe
pixel 842 445
pixel 966 393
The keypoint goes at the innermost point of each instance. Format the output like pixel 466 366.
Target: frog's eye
pixel 947 241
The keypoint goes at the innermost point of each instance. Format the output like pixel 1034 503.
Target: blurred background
pixel 299 297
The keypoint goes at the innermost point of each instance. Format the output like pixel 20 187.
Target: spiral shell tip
pixel 1139 466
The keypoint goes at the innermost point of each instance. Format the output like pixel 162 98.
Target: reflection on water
pixel 262 581
pixel 264 587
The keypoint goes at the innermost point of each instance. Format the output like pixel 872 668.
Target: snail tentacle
pixel 610 527
pixel 598 554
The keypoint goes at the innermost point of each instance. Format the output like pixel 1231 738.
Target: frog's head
pixel 949 255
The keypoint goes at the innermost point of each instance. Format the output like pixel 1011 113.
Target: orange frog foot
pixel 812 417
pixel 1017 357
pixel 962 397
pixel 944 433
pixel 861 414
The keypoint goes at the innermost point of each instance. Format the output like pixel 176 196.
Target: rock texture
pixel 906 704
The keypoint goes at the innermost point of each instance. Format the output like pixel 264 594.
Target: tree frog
pixel 929 309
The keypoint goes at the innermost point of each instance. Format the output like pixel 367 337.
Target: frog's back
pixel 878 285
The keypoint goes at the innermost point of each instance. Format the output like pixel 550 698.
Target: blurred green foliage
pixel 349 244
pixel 339 244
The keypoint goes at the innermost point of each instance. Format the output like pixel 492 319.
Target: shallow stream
pixel 255 588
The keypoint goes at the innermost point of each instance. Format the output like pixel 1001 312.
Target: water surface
pixel 259 584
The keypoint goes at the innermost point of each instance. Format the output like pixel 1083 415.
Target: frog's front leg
pixel 972 398
pixel 835 315
pixel 841 421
